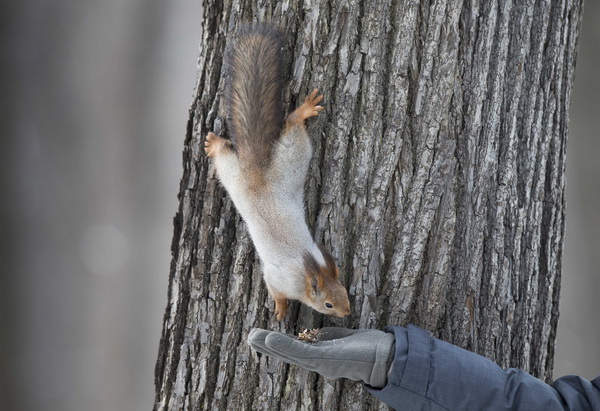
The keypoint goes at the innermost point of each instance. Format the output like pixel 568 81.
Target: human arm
pixel 428 370
pixel 430 374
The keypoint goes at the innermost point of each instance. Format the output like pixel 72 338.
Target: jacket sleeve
pixel 430 374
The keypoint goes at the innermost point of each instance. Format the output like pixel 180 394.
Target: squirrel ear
pixel 315 282
pixel 314 276
pixel 330 268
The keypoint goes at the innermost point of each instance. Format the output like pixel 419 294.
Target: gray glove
pixel 360 355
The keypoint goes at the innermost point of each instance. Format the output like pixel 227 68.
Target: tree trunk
pixel 437 183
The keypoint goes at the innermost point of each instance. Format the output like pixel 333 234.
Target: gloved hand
pixel 359 355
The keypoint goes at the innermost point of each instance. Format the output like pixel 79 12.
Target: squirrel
pixel 263 167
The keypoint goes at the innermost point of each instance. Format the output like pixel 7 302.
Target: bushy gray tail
pixel 254 98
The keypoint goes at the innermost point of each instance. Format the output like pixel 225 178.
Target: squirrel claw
pixel 313 99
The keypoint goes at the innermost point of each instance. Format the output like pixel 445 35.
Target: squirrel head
pixel 324 291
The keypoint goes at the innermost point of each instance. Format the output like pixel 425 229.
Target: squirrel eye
pixel 328 305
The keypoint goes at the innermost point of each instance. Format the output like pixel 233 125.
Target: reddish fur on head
pixel 323 286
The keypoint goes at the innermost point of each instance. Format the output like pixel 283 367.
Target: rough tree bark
pixel 437 182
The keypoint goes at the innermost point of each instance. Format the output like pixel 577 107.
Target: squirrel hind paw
pixel 214 145
pixel 308 109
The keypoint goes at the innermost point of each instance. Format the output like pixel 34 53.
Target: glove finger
pixel 256 340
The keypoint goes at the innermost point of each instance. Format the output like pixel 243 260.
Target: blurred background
pixel 93 111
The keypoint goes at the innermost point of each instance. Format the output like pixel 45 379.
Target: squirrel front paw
pixel 215 145
pixel 308 109
pixel 281 306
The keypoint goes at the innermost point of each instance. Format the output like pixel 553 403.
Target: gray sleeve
pixel 430 374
